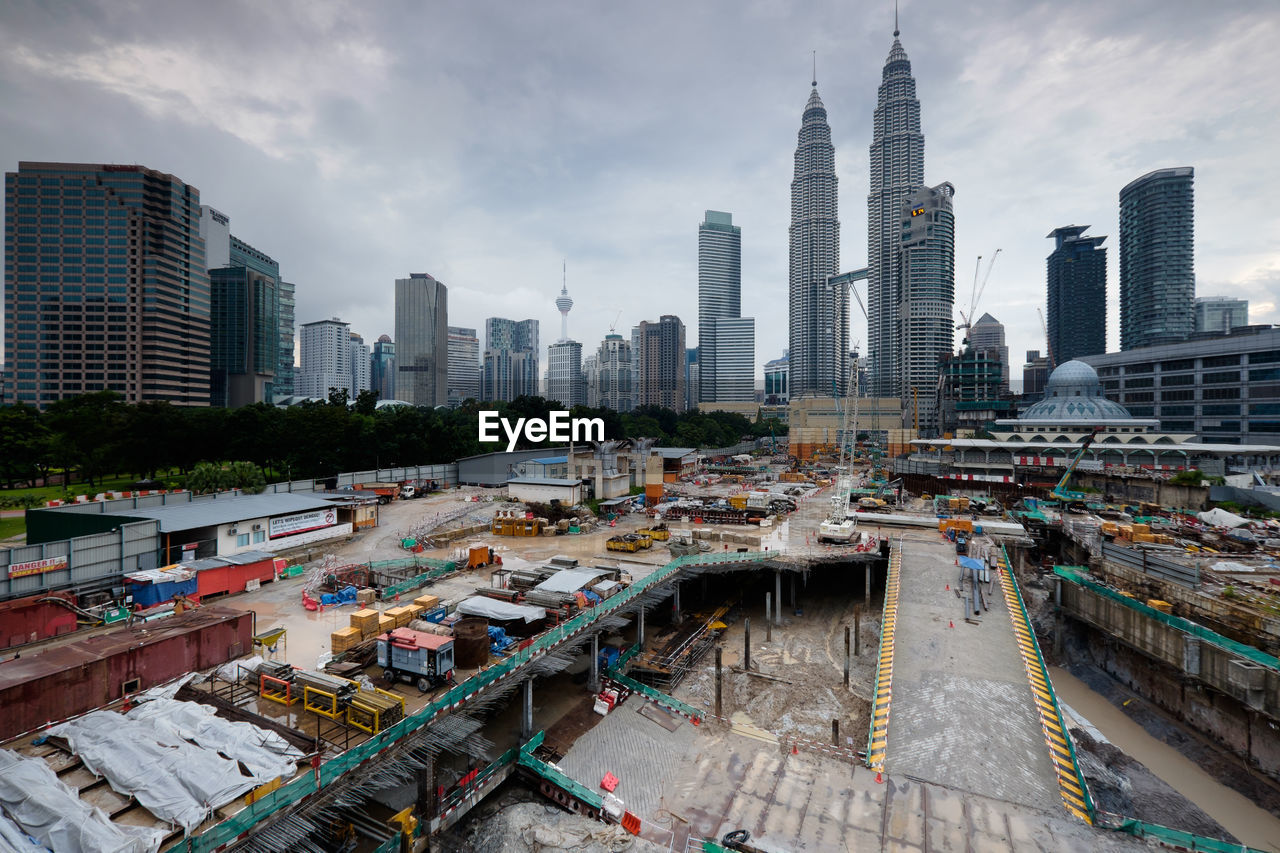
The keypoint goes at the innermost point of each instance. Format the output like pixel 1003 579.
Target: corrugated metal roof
pixel 542 481
pixel 570 580
pixel 207 513
pixel 551 460
pixel 673 452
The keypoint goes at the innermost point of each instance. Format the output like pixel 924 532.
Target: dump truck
pixel 416 656
pixel 386 492
pixel 628 542
pixel 657 532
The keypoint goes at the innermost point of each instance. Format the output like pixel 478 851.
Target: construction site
pixel 763 654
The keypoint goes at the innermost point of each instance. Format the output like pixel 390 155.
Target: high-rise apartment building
pixel 612 374
pixel 105 285
pixel 510 359
pixel 361 379
pixel 1221 313
pixel 382 368
pixel 1157 259
pixel 565 384
pixel 988 334
pixel 725 337
pixel 1035 374
pixel 1077 294
pixel 818 313
pixel 326 359
pixel 464 365
pixel 660 359
pixel 926 299
pixel 775 380
pixel 422 340
pixel 897 171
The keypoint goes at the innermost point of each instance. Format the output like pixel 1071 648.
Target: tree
pixel 24 444
pixel 208 477
pixel 88 432
pixel 367 401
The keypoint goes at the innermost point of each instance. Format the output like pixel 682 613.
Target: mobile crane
pixel 1060 490
pixel 840 525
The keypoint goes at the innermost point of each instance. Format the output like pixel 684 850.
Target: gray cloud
pixel 485 142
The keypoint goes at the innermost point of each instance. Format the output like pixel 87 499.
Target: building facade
pixel 245 346
pixel 1035 373
pixel 510 359
pixel 776 374
pixel 1221 314
pixel 926 299
pixel 565 384
pixel 285 368
pixel 382 368
pixel 988 334
pixel 1223 388
pixel 105 285
pixel 897 171
pixel 660 359
pixel 422 340
pixel 818 313
pixel 326 359
pixel 724 335
pixel 1157 259
pixel 361 366
pixel 613 389
pixel 1077 294
pixel 464 365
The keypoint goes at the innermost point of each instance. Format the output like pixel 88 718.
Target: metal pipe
pixel 857 633
pixel 835 731
pixel 719 683
pixel 846 655
pixel 777 595
pixel 746 643
pixel 594 683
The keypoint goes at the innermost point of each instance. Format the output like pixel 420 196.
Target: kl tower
pixel 563 304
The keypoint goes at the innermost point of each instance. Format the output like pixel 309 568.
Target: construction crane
pixel 975 295
pixel 1060 490
pixel 1048 346
pixel 840 526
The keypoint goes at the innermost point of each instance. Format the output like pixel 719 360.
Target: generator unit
pixel 416 656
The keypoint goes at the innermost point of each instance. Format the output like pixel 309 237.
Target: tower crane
pixel 975 295
pixel 840 525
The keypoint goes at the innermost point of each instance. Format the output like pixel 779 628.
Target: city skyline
pixel 1036 127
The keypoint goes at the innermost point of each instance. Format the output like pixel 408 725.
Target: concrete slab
pixel 962 714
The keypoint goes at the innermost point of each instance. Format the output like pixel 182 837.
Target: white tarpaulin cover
pixel 570 580
pixel 173 779
pixel 1219 517
pixel 45 808
pixel 492 608
pixel 267 755
pixel 14 840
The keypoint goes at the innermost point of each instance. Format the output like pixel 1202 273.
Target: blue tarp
pixel 151 594
pixel 971 563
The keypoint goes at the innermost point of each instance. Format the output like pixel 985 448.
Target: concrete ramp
pixel 963 714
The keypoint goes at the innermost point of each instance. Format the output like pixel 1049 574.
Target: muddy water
pixel 1249 823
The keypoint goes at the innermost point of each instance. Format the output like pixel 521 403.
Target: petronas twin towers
pixel 910 322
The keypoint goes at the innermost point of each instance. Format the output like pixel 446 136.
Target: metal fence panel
pixel 1148 563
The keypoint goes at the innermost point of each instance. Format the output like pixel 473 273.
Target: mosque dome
pixel 1074 394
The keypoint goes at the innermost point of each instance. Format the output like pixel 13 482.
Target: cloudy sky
pixel 485 142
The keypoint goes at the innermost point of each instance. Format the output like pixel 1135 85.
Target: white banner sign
pixel 287 525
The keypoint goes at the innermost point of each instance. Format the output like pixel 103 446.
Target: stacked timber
pixel 367 621
pixel 344 639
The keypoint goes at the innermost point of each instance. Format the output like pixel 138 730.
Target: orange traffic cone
pixel 948 587
pixel 950 624
pixel 879 778
pixel 795 750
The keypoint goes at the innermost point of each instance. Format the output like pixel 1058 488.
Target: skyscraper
pixel 897 171
pixel 382 368
pixel 724 335
pixel 422 340
pixel 244 299
pixel 988 334
pixel 660 359
pixel 326 359
pixel 1157 259
pixel 464 365
pixel 564 374
pixel 613 374
pixel 360 366
pixel 819 313
pixel 1221 313
pixel 510 359
pixel 1077 296
pixel 926 290
pixel 105 285
pixel 283 385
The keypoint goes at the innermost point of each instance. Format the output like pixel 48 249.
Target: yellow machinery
pixel 660 532
pixel 514 523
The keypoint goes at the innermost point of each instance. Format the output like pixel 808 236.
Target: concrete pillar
pixel 593 683
pixel 777 596
pixel 746 643
pixel 526 715
pixel 866 596
pixel 835 732
pixel 719 683
pixel 640 629
pixel 857 632
pixel 846 655
pixel 768 619
pixel 675 607
pixel 1190 655
pixel 793 592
